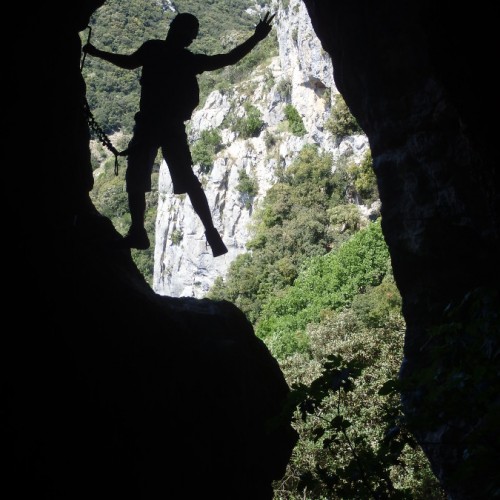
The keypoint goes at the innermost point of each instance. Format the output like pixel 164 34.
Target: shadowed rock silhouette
pixel 108 389
pixel 169 95
pixel 413 74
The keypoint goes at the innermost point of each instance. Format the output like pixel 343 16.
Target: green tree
pixel 295 121
pixel 364 179
pixel 291 225
pixel 341 122
pixel 328 283
pixel 204 150
pixel 249 125
pixel 247 187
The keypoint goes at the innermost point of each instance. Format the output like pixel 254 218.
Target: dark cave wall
pixel 104 385
pixel 415 75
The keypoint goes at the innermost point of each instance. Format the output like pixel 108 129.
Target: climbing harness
pixel 97 129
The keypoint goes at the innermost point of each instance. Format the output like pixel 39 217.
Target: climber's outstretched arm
pixel 121 60
pixel 218 61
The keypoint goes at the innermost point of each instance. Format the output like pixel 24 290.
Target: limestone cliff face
pixel 301 75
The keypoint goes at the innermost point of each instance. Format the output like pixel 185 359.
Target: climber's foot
pixel 136 238
pixel 215 242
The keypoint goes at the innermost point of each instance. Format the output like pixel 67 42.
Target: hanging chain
pixel 96 128
pixel 101 135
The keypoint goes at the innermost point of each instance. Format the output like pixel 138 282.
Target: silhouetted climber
pixel 169 94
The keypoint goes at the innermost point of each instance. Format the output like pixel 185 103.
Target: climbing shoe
pixel 215 242
pixel 136 238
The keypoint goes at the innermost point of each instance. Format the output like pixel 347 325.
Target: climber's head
pixel 184 29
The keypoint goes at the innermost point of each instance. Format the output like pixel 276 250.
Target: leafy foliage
pixel 284 89
pixel 333 320
pixel 294 120
pixel 344 220
pixel 364 179
pixel 203 151
pixel 341 122
pixel 249 125
pixel 176 237
pixel 247 187
pixel 291 225
pixel 354 441
pixel 111 200
pixel 327 283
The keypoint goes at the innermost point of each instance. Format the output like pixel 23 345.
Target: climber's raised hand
pixel 264 27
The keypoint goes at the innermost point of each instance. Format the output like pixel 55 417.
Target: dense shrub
pixel 203 151
pixel 289 226
pixel 364 179
pixel 284 89
pixel 176 237
pixel 251 124
pixel 341 123
pixel 354 442
pixel 295 122
pixel 328 283
pixel 247 187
